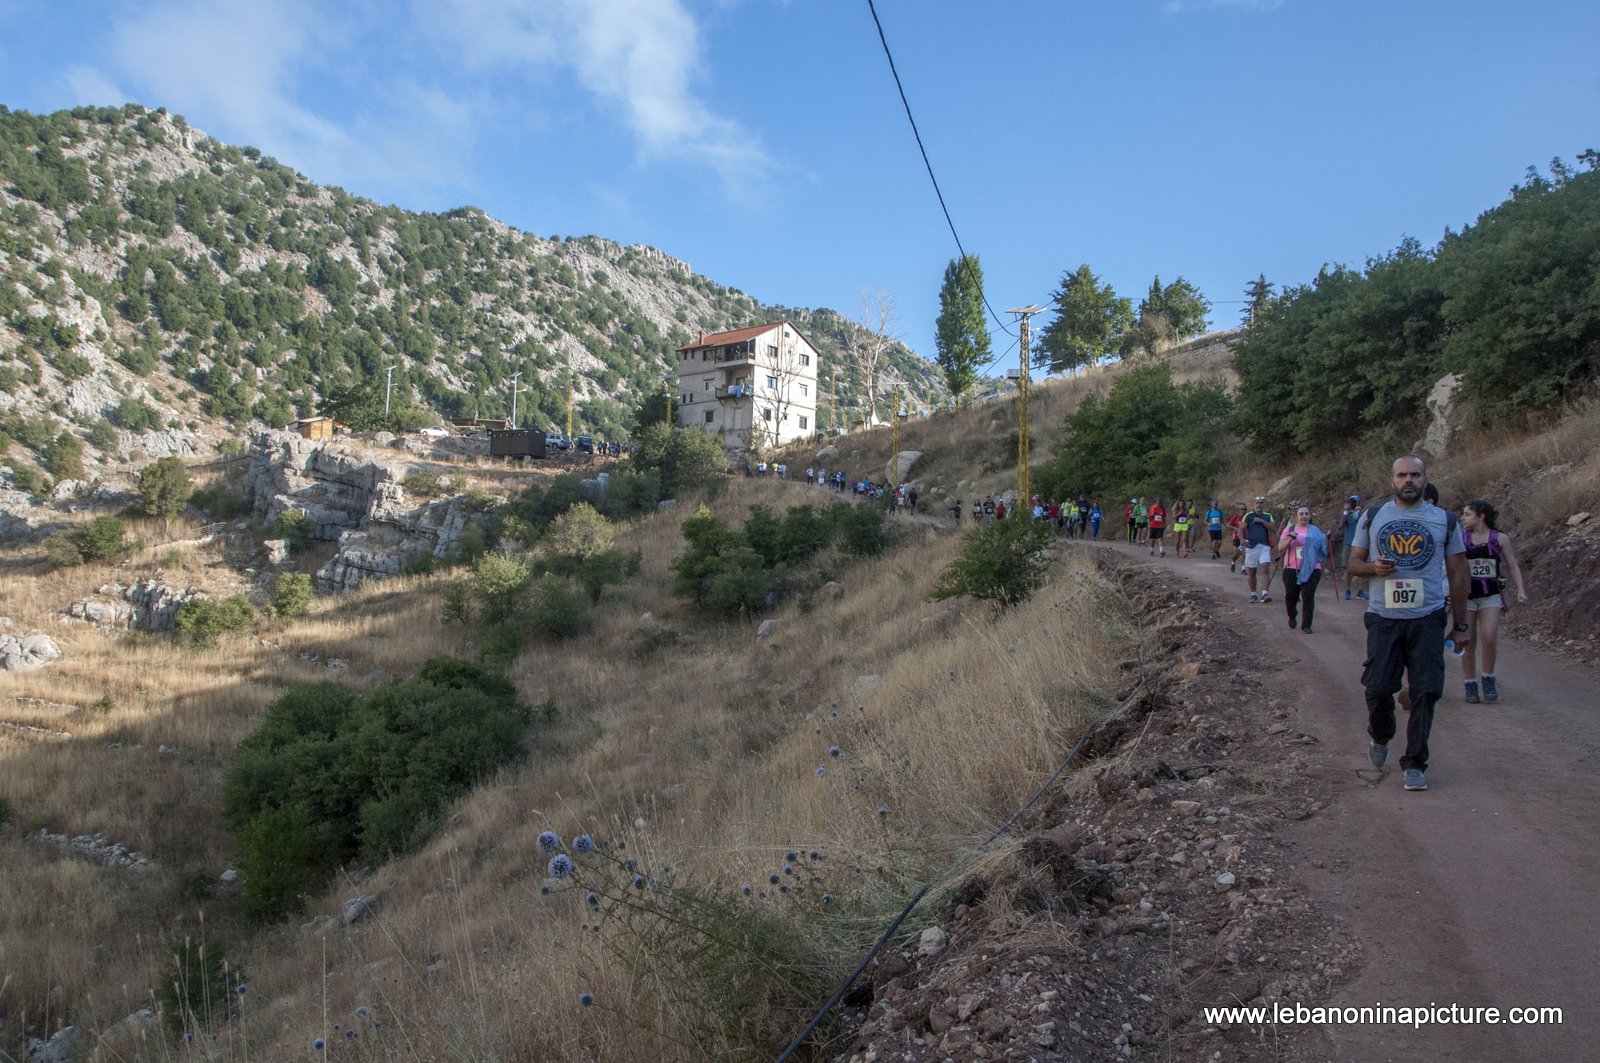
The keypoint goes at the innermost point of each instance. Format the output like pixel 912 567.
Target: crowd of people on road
pixel 1431 580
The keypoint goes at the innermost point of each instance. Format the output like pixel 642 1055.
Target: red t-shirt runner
pixel 1158 517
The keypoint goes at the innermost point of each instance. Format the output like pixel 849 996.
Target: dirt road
pixel 1483 891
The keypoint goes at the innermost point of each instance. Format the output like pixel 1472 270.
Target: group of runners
pixel 1424 572
pixel 1147 523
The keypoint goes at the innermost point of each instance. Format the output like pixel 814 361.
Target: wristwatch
pixel 1462 625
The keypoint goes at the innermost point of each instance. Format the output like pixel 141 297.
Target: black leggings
pixel 1301 594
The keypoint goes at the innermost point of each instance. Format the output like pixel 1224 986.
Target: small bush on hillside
pixel 863 531
pixel 135 415
pixel 1001 562
pixel 291 594
pixel 556 608
pixel 164 488
pixel 100 540
pixel 200 622
pixel 423 484
pixel 499 585
pixel 599 571
pixel 218 502
pixel 294 528
pixel 332 777
pixel 194 987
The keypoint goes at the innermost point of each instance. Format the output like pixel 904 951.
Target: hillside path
pixel 1483 890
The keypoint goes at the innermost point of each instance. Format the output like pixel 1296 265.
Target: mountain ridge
pixel 143 261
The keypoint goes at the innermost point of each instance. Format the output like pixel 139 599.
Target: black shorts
pixel 1216 535
pixel 1412 647
pixel 1156 533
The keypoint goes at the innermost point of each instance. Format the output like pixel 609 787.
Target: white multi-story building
pixel 755 387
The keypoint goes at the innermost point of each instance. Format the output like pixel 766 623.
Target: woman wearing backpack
pixel 1490 559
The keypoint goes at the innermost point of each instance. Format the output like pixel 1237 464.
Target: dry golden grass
pixel 690 738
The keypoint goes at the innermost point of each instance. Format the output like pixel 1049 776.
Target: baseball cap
pixel 1261 498
pixel 1355 498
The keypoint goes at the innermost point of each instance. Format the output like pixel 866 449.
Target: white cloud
pixel 90 86
pixel 246 65
pixel 640 57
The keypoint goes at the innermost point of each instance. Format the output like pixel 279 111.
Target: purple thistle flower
pixel 242 989
pixel 745 889
pixel 350 1035
pixel 883 810
pixel 560 866
pixel 318 1045
pixel 582 844
pixel 549 841
pixel 638 882
pixel 822 770
pixel 835 751
pixel 827 898
pixel 791 857
pixel 363 1011
pixel 586 1000
pixel 593 898
pixel 773 878
pixel 783 889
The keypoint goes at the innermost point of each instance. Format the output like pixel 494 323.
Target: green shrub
pixel 294 528
pixel 194 988
pixel 291 594
pixel 99 540
pixel 500 586
pixel 332 777
pixel 201 621
pixel 135 415
pixel 423 484
pixel 1001 562
pixel 556 608
pixel 103 437
pixel 164 488
pixel 863 531
pixel 219 502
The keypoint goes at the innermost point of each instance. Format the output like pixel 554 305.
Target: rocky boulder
pixel 27 653
pixel 354 499
pixel 148 605
pixel 1446 416
pixel 897 469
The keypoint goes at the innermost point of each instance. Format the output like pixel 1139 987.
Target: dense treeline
pixel 1511 304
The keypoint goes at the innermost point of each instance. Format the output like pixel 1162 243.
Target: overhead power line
pixel 925 161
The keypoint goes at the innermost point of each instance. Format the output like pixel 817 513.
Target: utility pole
pixel 833 396
pixel 1025 312
pixel 894 462
pixel 388 386
pixel 569 404
pixel 514 378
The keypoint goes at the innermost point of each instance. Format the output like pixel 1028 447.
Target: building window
pixel 766 414
pixel 708 384
pixel 708 415
pixel 772 383
pixel 805 390
pixel 805 359
pixel 802 424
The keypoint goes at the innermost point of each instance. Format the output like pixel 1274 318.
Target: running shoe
pixel 1361 595
pixel 1472 692
pixel 1266 597
pixel 1377 755
pixel 1347 596
pixel 1306 629
pixel 1491 691
pixel 1254 598
pixel 1294 621
pixel 1415 780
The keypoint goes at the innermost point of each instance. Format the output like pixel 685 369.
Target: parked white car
pixel 434 432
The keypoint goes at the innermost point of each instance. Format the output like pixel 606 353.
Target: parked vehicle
pixel 434 432
pixel 556 441
pixel 585 444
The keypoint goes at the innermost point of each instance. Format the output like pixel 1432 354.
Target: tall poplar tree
pixel 961 338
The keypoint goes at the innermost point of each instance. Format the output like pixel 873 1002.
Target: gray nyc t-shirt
pixel 1416 541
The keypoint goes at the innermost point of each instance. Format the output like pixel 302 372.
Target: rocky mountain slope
pixel 161 291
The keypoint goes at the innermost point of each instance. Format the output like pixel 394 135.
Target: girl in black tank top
pixel 1491 562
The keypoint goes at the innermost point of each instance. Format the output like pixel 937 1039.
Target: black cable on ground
pixel 883 939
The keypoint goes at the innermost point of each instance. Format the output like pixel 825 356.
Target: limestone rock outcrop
pixel 354 499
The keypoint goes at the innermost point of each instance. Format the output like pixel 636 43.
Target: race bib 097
pixel 1403 594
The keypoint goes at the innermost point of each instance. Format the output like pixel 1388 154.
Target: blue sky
pixel 763 140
